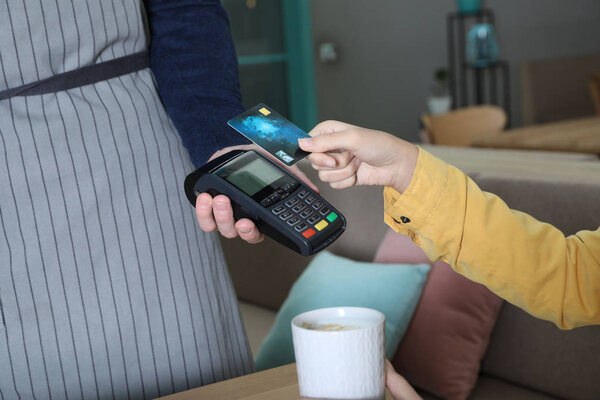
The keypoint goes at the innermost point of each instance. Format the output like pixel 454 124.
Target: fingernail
pixel 245 230
pixel 221 206
pixel 204 203
pixel 329 162
pixel 306 142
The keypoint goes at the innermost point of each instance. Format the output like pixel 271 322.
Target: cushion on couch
pixel 442 349
pixel 331 281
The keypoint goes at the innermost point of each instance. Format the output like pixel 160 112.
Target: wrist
pixel 404 173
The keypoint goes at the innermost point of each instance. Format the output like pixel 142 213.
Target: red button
pixel 308 233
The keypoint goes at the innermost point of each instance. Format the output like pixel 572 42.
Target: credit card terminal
pixel 281 206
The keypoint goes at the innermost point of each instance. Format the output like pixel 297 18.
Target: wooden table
pixel 578 135
pixel 273 384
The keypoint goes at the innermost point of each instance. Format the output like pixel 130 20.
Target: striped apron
pixel 108 289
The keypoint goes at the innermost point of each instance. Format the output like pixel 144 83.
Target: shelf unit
pixel 470 84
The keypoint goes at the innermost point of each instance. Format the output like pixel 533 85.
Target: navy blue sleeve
pixel 193 60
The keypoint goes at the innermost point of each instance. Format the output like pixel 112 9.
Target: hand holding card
pixel 272 132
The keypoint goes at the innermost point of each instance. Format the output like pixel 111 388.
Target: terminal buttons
pixel 303 211
pixel 313 219
pixel 321 225
pixel 308 233
pixel 286 215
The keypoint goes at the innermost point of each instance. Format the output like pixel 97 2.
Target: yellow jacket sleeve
pixel 529 263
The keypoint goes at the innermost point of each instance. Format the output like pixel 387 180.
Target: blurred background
pixel 374 63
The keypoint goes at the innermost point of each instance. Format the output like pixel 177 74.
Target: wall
pixel 390 48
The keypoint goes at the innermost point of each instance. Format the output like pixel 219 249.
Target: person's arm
pixel 529 263
pixel 195 66
pixel 194 62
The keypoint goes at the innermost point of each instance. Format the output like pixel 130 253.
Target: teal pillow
pixel 331 281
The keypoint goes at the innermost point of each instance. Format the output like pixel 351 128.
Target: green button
pixel 332 217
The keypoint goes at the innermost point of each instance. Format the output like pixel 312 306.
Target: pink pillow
pixel 442 349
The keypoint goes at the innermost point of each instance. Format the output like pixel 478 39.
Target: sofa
pixel 526 358
pixel 557 89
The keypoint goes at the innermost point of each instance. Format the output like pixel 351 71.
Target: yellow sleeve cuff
pixel 410 211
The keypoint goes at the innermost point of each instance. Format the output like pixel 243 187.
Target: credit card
pixel 269 130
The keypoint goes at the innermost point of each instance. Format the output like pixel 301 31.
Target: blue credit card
pixel 269 130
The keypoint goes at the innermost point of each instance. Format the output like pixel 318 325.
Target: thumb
pixel 329 127
pixel 347 140
pixel 398 386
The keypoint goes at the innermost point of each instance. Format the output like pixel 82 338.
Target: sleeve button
pixel 405 220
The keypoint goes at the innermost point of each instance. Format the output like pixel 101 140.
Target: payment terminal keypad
pixel 286 215
pixel 313 219
pixel 292 202
pixel 306 213
pixel 293 221
pixel 302 210
pixel 278 210
pixel 301 226
pixel 299 207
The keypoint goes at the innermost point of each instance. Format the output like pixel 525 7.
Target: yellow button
pixel 321 225
pixel 264 111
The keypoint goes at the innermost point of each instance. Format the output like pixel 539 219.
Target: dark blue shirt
pixel 193 59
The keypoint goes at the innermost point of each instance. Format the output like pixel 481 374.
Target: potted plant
pixel 439 102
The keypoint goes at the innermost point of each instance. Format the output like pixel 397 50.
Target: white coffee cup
pixel 344 364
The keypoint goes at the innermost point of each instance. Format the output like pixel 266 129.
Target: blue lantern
pixel 482 48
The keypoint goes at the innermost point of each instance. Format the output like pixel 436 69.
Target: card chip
pixel 264 111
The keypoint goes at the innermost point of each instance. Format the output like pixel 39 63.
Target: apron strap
pixel 82 76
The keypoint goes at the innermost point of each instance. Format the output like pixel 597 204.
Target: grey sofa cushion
pixel 538 355
pixel 488 388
